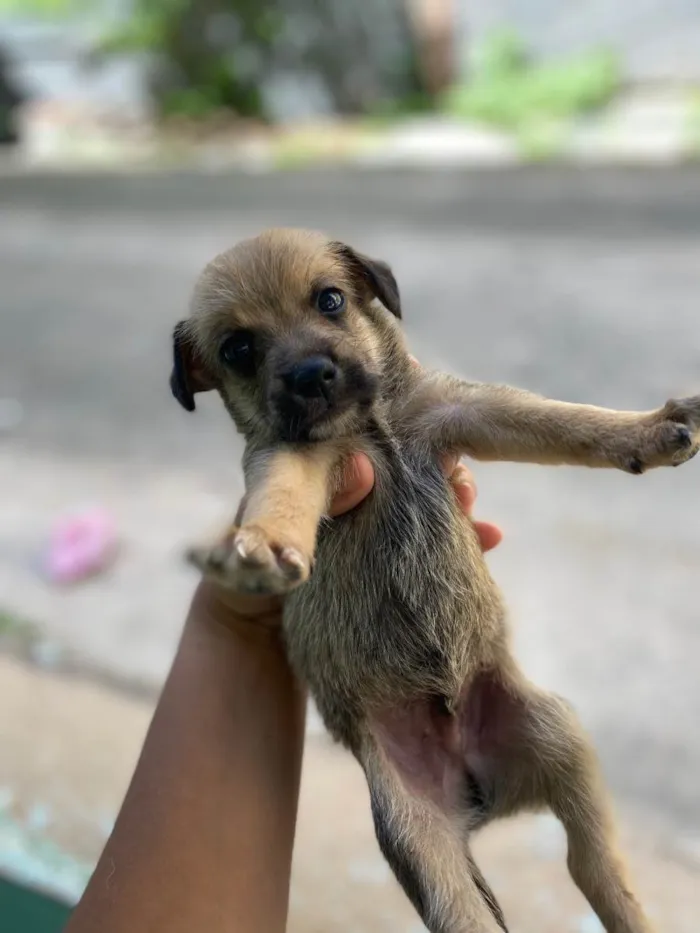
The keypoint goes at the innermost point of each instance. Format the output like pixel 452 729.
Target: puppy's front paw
pixel 671 437
pixel 250 561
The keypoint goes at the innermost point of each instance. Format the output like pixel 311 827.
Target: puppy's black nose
pixel 312 377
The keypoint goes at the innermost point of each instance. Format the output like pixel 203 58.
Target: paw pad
pixel 249 561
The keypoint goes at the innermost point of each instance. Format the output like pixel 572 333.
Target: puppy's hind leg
pixel 573 788
pixel 528 751
pixel 423 837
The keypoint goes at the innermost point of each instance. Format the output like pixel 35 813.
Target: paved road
pixel 580 285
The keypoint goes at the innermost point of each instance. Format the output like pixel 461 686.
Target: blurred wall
pixel 46 61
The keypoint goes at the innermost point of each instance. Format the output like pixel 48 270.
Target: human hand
pixel 227 607
pixel 359 480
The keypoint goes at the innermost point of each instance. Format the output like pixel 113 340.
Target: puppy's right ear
pixel 374 275
pixel 189 375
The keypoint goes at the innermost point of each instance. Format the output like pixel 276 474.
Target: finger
pixel 414 361
pixel 359 481
pixel 357 484
pixel 490 536
pixel 464 487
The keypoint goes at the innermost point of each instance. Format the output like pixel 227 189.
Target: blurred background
pixel 529 170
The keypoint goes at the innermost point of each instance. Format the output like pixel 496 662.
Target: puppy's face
pixel 285 327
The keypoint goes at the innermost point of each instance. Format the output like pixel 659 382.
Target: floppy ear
pixel 188 375
pixel 375 275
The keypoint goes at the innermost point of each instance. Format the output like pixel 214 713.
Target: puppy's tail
pixel 427 849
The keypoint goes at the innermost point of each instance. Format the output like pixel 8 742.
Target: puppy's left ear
pixel 189 375
pixel 374 275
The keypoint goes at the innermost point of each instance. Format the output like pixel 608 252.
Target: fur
pixel 400 632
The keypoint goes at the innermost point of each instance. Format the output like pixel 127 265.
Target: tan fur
pixel 274 546
pixel 490 422
pixel 401 632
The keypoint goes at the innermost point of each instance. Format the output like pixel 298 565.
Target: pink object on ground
pixel 80 546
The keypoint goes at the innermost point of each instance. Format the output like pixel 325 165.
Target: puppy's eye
pixel 330 301
pixel 238 352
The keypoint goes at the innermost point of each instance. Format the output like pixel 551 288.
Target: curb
pixel 642 126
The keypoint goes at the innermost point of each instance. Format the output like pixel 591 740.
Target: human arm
pixel 204 837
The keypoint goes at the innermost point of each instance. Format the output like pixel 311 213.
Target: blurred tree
pixel 365 52
pixel 202 55
pixel 211 55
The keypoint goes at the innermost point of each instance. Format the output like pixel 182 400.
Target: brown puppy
pixel 401 633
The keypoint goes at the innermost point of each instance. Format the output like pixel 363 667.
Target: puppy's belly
pixel 400 604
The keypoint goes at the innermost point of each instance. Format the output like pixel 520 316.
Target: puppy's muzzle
pixel 308 392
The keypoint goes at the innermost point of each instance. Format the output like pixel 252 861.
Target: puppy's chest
pixel 408 518
pixel 389 578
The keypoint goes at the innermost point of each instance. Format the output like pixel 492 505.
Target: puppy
pixel 401 633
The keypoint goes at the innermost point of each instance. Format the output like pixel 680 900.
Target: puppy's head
pixel 287 328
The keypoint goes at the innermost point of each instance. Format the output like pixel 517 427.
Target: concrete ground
pixel 583 286
pixel 85 741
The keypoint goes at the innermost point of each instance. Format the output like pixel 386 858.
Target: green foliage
pixel 693 124
pixel 145 31
pixel 509 91
pixel 389 112
pixel 500 53
pixel 17 629
pixel 49 9
pixel 194 75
